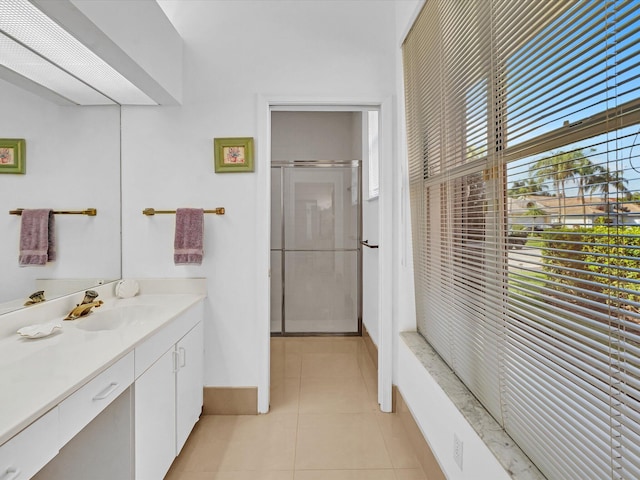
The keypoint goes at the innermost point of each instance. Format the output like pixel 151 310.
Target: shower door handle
pixel 367 244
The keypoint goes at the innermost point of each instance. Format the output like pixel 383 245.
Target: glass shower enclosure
pixel 315 249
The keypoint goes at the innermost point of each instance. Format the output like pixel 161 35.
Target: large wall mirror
pixel 72 163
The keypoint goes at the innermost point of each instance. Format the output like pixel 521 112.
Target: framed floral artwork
pixel 233 154
pixel 12 155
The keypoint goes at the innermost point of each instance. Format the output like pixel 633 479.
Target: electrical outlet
pixel 457 451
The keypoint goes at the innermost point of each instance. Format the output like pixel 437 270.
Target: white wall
pixel 234 52
pixel 315 136
pixel 72 163
pixel 370 256
pixel 404 305
pixel 439 419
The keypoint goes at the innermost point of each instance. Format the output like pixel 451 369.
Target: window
pixel 523 125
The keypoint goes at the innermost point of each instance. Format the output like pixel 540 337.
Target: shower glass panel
pixel 317 242
pixel 276 250
pixel 276 291
pixel 321 292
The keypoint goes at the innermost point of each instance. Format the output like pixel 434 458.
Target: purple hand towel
pixel 37 239
pixel 189 236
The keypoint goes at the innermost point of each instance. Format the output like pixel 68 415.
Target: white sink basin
pixel 114 318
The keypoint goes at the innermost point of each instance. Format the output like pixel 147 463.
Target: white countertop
pixel 37 374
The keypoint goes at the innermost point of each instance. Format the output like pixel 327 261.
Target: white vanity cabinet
pixel 127 419
pixel 79 435
pixel 155 417
pixel 189 384
pixel 85 404
pixel 26 453
pixel 168 393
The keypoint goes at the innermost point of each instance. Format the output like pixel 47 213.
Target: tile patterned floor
pixel 324 424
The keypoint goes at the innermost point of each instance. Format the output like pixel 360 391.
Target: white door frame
pixel 263 231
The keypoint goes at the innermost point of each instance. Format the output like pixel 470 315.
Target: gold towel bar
pixel 153 211
pixel 91 212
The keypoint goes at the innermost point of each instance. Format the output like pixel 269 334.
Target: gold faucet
pixel 84 308
pixel 36 297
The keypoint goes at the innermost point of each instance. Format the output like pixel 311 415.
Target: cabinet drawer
pixel 84 405
pixel 30 450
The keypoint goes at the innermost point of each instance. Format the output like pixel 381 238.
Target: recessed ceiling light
pixel 33 32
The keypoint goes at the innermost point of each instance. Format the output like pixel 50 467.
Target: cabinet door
pixel 189 383
pixel 155 410
pixel 30 450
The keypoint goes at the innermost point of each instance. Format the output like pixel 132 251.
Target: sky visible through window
pixel 578 73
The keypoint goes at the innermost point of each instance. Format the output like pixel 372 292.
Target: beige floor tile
pixel 246 427
pixel 410 474
pixel 335 395
pixel 246 475
pixel 390 424
pixel 276 367
pixel 397 441
pixel 285 396
pixel 401 453
pixel 330 365
pixel 292 365
pixel 340 441
pixel 309 345
pixel 368 371
pixel 347 345
pixel 344 475
pixel 324 424
pixel 211 428
pixel 240 443
pixel 174 474
pixel 277 345
pixel 268 453
pixel 286 364
pixel 279 475
pixel 365 358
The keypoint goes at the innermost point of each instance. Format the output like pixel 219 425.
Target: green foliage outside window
pixel 597 263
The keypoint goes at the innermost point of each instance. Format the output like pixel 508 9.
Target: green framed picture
pixel 233 154
pixel 12 155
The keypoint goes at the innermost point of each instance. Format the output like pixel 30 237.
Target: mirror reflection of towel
pixel 37 237
pixel 189 237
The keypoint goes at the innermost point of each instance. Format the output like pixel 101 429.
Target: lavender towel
pixel 189 236
pixel 37 239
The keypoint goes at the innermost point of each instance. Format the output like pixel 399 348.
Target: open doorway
pixel 377 294
pixel 316 222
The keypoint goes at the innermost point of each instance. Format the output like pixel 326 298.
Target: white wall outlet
pixel 457 451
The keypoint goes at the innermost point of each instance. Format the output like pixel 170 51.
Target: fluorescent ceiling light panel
pixel 32 66
pixel 22 21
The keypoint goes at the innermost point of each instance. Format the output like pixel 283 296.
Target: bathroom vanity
pixel 112 395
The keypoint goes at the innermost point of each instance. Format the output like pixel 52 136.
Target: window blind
pixel 523 131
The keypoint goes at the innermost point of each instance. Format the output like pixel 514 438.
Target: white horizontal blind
pixel 524 149
pixel 448 82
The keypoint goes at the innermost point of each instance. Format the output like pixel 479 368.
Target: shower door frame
pixel 320 164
